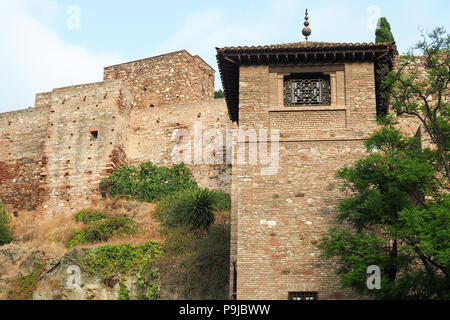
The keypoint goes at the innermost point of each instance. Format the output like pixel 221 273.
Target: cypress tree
pixel 384 33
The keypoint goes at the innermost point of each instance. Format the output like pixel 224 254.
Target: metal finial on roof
pixel 306 30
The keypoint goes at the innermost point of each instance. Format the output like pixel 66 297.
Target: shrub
pixel 180 241
pixel 104 229
pixel 88 216
pixel 211 264
pixel 6 230
pixel 222 201
pixel 148 182
pixel 202 264
pixel 124 294
pixel 193 208
pixel 127 260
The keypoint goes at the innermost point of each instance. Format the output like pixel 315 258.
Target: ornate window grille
pixel 308 296
pixel 307 90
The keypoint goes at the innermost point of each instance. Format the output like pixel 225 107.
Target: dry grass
pixel 51 234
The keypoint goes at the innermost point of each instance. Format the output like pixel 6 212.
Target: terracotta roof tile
pixel 306 45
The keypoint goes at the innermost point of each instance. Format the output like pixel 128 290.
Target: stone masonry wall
pixel 151 132
pixel 409 124
pixel 171 79
pixel 22 138
pixel 278 219
pixel 77 161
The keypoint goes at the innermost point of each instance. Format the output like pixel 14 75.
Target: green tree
pixel 384 33
pixel 219 94
pixel 6 230
pixel 424 93
pixel 397 218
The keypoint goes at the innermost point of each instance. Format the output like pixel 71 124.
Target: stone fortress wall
pixel 54 155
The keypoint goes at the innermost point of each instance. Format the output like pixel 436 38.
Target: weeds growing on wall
pixel 6 230
pixel 148 182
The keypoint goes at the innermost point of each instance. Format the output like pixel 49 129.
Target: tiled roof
pixel 308 45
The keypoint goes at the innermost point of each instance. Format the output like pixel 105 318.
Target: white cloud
pixel 202 31
pixel 280 21
pixel 34 58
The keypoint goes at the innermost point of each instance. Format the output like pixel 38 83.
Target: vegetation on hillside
pixel 195 225
pixel 24 286
pixel 148 182
pixel 6 230
pixel 202 263
pixel 101 227
pixel 125 261
pixel 194 208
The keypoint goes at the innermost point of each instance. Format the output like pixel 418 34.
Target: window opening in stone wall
pixel 94 135
pixel 307 90
pixel 308 296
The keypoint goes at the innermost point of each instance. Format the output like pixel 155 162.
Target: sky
pixel 47 44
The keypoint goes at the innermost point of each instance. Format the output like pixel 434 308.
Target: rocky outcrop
pixel 63 278
pixel 67 280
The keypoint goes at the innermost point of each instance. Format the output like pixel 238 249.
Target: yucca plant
pixel 199 208
pixel 193 208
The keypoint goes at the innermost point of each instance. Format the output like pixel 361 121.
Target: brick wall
pixel 43 100
pixel 278 219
